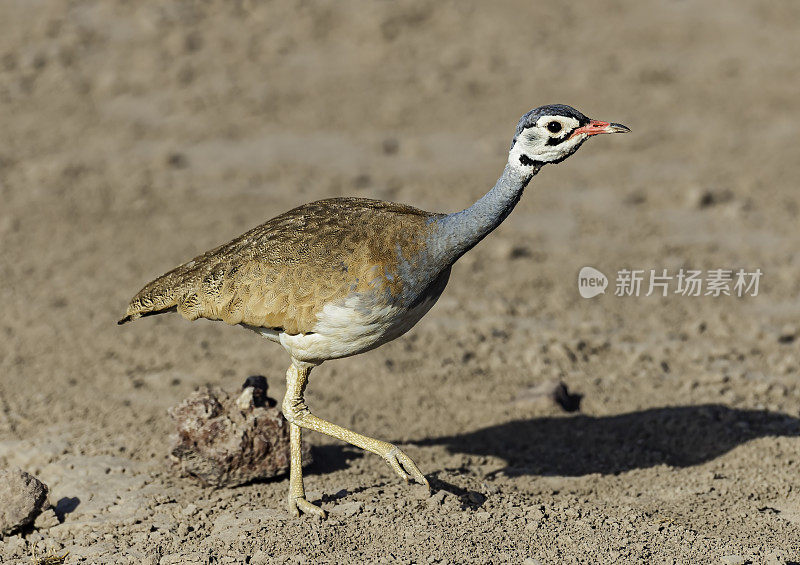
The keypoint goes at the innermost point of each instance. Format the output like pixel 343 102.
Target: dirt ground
pixel 137 134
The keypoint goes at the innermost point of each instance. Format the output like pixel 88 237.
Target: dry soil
pixel 135 135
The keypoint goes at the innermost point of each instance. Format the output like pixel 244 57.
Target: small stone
pixel 227 440
pixel 482 516
pixel 531 561
pixel 552 392
pixel 22 499
pixel 732 560
pixel 46 520
pixel 245 400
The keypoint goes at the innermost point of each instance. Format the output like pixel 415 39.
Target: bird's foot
pixel 300 505
pixel 405 468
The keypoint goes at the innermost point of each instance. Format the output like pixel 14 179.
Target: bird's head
pixel 550 134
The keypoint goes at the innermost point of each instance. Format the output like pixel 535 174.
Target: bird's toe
pixel 405 467
pixel 299 506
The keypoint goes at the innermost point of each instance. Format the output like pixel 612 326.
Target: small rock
pixel 245 400
pixel 227 440
pixel 552 392
pixel 531 561
pixel 46 520
pixel 22 498
pixel 732 560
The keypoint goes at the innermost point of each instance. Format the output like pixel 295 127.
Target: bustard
pixel 342 276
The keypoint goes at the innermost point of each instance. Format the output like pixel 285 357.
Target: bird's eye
pixel 554 127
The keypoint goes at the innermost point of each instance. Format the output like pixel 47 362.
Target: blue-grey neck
pixel 459 232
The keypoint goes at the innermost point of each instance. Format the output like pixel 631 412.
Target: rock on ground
pixel 22 498
pixel 227 440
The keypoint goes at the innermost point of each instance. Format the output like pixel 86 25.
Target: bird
pixel 342 276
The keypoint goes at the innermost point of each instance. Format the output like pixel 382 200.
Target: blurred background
pixel 136 135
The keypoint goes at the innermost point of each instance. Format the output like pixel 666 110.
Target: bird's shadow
pixel 332 457
pixel 680 436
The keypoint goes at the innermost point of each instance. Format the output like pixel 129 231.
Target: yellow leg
pixel 299 416
pixel 297 491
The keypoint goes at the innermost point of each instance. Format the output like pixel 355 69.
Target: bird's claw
pixel 300 505
pixel 405 467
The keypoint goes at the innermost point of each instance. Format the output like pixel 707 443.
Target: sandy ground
pixel 137 134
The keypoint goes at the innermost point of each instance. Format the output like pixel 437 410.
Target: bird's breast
pixel 362 321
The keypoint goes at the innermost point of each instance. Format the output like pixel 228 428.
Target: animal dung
pixel 227 439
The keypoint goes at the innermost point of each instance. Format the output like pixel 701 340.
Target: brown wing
pixel 282 273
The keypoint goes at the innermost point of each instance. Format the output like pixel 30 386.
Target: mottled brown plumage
pixel 283 272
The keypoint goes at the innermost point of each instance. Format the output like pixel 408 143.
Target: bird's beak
pixel 596 126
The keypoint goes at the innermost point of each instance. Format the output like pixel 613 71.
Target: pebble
pixel 46 520
pixel 733 560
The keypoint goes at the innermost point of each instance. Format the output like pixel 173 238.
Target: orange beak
pixel 596 126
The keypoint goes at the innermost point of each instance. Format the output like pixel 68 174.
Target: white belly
pixel 356 324
pixel 353 327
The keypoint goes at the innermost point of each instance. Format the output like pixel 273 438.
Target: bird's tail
pixel 162 295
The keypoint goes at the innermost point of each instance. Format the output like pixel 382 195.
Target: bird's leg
pixel 299 416
pixel 297 491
